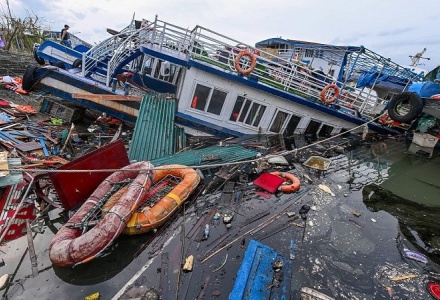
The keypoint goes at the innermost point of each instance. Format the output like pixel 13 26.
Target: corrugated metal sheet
pixel 155 134
pixel 210 155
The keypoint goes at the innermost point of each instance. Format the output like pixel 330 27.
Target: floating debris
pixel 404 277
pixel 415 256
pixel 206 235
pixel 222 264
pixel 4 280
pixel 373 220
pixel 290 214
pixel 318 163
pixel 434 289
pixel 311 294
pixel 356 213
pixel 326 189
pixel 189 262
pixel 292 249
pixel 303 211
pixel 94 296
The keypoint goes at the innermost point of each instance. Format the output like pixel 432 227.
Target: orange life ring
pixel 251 67
pixel 288 188
pixel 324 91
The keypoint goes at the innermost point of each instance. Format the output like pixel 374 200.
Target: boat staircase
pixel 98 63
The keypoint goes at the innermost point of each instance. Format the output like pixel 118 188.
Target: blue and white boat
pixel 224 87
pixel 53 52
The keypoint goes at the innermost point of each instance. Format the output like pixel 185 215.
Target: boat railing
pixel 103 51
pixel 280 71
pixel 125 49
pixel 164 36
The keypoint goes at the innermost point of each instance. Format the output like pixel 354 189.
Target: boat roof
pixel 361 58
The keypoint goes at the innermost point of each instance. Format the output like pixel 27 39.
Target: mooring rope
pixel 19 170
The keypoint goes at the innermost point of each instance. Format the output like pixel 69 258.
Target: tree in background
pixel 19 33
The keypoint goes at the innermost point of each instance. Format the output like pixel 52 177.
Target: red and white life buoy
pixel 237 65
pixel 324 91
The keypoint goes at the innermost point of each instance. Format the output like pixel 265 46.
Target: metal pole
pixel 8 222
pixel 364 103
pixel 32 255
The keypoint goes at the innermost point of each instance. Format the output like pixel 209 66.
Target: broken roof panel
pixel 155 133
pixel 206 156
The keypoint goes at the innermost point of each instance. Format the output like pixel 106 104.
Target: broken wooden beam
pixel 106 97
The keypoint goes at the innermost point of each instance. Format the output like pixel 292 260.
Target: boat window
pixel 208 99
pixel 313 127
pixel 326 130
pixel 217 101
pixel 280 120
pixel 292 125
pixel 247 111
pixel 237 108
pixel 147 65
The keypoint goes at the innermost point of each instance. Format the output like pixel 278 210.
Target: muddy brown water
pixel 339 254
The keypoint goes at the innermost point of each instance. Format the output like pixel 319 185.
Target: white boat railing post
pixel 153 36
pixel 364 104
pixel 83 64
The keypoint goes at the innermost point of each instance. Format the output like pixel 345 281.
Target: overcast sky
pixel 392 28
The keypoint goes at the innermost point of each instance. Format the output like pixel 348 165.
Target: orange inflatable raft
pixel 149 218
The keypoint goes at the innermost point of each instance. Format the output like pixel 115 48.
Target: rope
pixel 19 170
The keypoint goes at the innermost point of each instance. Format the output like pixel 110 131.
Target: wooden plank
pixel 105 97
pixel 4 164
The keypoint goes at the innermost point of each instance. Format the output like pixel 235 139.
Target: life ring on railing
pixel 288 188
pixel 325 90
pixel 251 67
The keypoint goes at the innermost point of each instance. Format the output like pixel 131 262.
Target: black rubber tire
pixel 28 78
pixel 60 65
pixel 406 98
pixel 77 63
pixel 38 59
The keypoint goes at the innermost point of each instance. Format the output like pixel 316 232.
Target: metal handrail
pixel 219 51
